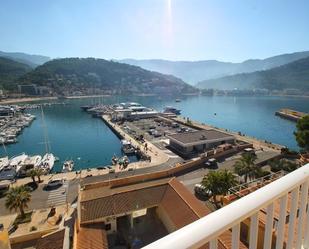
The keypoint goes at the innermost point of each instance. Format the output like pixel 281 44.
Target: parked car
pixel 249 151
pixel 211 163
pixel 55 183
pixel 199 189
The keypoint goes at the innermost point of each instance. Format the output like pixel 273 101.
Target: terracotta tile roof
pixel 52 240
pixel 180 205
pixel 119 203
pixel 92 236
pixel 96 193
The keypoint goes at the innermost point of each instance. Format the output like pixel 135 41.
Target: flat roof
pixel 199 136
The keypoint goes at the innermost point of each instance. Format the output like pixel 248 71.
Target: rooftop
pixel 197 136
pixel 181 207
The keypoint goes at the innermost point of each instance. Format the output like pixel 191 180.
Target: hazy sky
pixel 230 30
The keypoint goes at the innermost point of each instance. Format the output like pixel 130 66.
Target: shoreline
pixel 33 99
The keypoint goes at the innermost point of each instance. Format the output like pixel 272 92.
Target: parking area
pixel 154 129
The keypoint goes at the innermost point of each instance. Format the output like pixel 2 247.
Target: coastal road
pixel 42 199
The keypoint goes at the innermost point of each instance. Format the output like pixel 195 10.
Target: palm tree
pixel 32 173
pixel 246 167
pixel 218 183
pixel 39 173
pixel 18 198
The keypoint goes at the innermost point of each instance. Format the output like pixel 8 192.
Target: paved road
pixel 68 193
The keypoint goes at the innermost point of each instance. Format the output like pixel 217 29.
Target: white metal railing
pixel 210 227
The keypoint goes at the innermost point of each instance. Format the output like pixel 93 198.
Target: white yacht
pixel 67 166
pixel 47 162
pixel 18 161
pixel 33 161
pixel 4 162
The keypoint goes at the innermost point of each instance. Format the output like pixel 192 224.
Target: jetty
pixel 290 114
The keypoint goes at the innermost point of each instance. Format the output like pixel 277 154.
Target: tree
pixel 218 183
pixel 302 133
pixel 39 173
pixel 246 167
pixel 32 173
pixel 18 198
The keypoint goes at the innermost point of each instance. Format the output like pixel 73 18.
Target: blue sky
pixel 228 30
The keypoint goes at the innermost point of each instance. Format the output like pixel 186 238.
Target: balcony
pixel 289 230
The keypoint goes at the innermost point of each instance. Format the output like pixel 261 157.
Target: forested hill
pixel 294 75
pixel 196 71
pixel 82 73
pixel 10 71
pixel 29 59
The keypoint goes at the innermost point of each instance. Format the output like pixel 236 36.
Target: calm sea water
pixel 74 134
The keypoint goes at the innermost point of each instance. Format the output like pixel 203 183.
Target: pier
pixel 290 114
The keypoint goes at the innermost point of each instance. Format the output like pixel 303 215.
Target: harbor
pixel 74 135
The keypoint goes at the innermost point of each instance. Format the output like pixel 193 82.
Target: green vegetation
pixel 10 71
pixel 78 74
pixel 246 167
pixel 196 71
pixel 286 165
pixel 218 183
pixel 18 198
pixel 294 75
pixel 32 173
pixel 302 133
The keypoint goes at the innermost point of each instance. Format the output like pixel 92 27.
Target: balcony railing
pixel 210 227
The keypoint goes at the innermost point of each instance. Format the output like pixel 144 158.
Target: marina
pixel 12 122
pixel 91 143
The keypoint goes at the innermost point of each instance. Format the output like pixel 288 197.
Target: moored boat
pixel 4 162
pixel 47 162
pixel 127 147
pixel 170 109
pixel 68 166
pixel 18 161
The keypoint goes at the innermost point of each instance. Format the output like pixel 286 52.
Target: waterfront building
pixel 190 143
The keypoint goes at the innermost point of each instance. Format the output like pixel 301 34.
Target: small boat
pixel 170 109
pixel 48 162
pixel 18 161
pixel 67 166
pixel 177 100
pixel 127 147
pixel 114 160
pixel 86 107
pixel 4 162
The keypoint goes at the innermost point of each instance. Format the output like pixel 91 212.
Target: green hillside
pixel 294 75
pixel 78 74
pixel 10 71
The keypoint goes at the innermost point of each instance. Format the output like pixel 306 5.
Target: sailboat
pixel 48 159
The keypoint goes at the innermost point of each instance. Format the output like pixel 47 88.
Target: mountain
pixel 10 71
pixel 196 71
pixel 79 74
pixel 29 59
pixel 294 75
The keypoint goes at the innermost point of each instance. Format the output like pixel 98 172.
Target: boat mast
pixel 47 145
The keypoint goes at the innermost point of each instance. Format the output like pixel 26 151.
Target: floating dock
pixel 290 114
